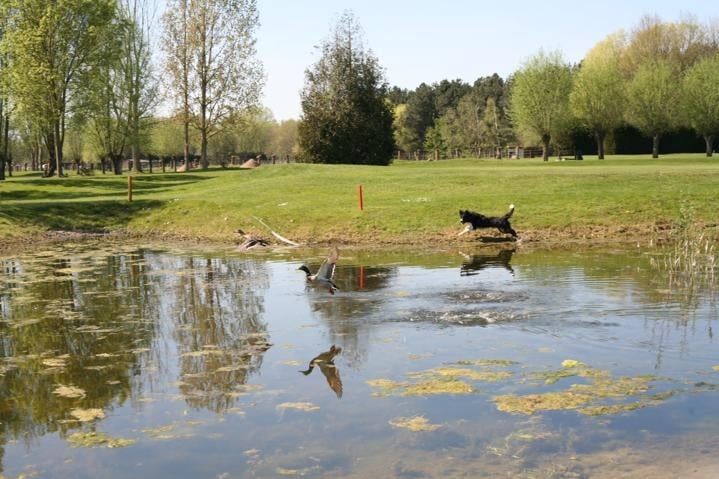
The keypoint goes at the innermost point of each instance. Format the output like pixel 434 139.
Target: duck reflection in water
pixel 326 362
pixel 474 263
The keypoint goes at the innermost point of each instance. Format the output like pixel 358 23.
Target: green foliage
pixel 211 59
pixel 54 48
pixel 700 97
pixel 598 94
pixel 434 143
pixel 653 98
pixel 540 96
pixel 420 115
pixel 345 116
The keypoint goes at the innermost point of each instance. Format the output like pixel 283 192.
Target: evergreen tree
pixel 345 115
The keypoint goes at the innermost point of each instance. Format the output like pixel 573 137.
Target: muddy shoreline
pixel 575 237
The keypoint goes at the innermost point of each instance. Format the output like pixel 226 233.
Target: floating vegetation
pixel 444 379
pixel 300 406
pixel 283 471
pixel 87 415
pixel 586 398
pixel 416 423
pixel 436 385
pixel 97 439
pixel 59 362
pixel 570 368
pixel 452 372
pixel 169 431
pixel 417 357
pixel 486 362
pixel 204 352
pixel 69 392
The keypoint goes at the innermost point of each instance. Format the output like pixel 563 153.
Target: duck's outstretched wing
pixel 332 374
pixel 327 269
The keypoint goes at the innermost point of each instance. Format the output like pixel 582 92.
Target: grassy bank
pixel 408 202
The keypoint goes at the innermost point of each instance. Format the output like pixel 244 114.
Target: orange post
pixel 361 278
pixel 361 202
pixel 129 188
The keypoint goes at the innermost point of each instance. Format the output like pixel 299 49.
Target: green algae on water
pixel 416 423
pixel 97 439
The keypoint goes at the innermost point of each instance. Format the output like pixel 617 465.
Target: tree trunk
pixel 203 151
pixel 599 137
pixel 545 147
pixel 58 149
pixel 116 163
pixel 709 140
pixel 655 146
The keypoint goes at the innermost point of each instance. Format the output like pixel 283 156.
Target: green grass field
pixel 403 203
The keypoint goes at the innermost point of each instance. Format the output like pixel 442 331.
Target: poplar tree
pixel 210 58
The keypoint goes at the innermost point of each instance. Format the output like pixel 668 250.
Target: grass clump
pixel 691 264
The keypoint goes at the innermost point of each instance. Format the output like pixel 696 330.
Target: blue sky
pixel 427 41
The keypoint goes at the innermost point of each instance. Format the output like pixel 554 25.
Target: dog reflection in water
pixel 474 263
pixel 326 362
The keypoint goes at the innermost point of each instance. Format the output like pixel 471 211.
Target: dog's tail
pixel 509 213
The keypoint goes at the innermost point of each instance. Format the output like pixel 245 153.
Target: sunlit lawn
pixel 406 201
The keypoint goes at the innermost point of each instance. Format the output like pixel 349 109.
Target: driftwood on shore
pixel 276 234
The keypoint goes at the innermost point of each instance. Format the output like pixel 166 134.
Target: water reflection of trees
pixel 217 307
pixel 72 320
pixel 98 321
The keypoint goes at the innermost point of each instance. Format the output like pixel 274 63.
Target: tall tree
pixel 136 66
pixel 540 97
pixel 345 115
pixel 53 47
pixel 681 43
pixel 4 110
pixel 123 92
pixel 700 99
pixel 653 100
pixel 176 46
pixel 598 94
pixel 214 41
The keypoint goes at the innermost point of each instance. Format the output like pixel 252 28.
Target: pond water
pixel 125 361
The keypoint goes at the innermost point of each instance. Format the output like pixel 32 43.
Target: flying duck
pixel 324 274
pixel 251 241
